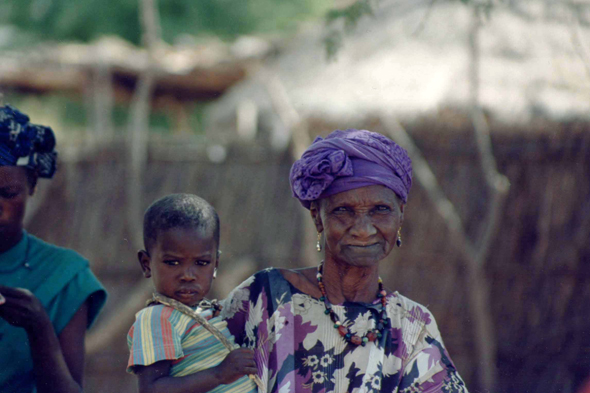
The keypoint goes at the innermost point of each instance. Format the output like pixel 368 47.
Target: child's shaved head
pixel 185 211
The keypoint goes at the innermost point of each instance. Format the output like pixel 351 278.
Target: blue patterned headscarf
pixel 25 144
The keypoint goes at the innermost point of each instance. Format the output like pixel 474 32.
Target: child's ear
pixel 218 257
pixel 216 264
pixel 144 262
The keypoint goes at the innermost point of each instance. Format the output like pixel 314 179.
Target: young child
pixel 169 351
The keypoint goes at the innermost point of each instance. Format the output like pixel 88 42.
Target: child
pixel 171 352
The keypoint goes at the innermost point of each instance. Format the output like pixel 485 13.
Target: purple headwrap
pixel 350 159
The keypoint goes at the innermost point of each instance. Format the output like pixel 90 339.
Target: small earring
pixel 398 241
pixel 319 244
pixel 215 273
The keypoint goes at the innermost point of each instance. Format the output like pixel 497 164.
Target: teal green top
pixel 61 279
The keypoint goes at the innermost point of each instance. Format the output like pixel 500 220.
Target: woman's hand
pixel 20 308
pixel 58 363
pixel 238 363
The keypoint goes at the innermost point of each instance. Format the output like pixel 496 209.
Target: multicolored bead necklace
pixel 372 335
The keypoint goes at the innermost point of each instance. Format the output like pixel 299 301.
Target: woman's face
pixel 360 226
pixel 14 192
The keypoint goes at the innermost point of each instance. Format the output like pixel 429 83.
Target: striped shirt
pixel 163 333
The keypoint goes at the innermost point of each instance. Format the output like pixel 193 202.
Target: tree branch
pixel 287 113
pixel 473 257
pixel 138 125
pixel 300 141
pixel 138 129
pixel 427 180
pixel 579 47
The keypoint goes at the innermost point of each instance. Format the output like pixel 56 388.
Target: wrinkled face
pixel 360 226
pixel 181 263
pixel 14 192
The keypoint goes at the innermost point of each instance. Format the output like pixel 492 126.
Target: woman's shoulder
pixel 44 251
pixel 413 315
pixel 302 280
pixel 298 276
pixel 406 303
pixel 261 278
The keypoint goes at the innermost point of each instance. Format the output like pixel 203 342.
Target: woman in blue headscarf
pixel 336 327
pixel 48 295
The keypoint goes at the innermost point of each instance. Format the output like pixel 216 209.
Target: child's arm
pixel 156 378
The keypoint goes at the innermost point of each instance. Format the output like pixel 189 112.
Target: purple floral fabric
pixel 313 173
pixel 299 351
pixel 350 159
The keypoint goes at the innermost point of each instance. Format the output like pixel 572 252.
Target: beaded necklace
pixel 372 335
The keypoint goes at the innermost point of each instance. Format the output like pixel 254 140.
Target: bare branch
pixel 497 183
pixel 287 113
pixel 138 125
pixel 473 257
pixel 427 179
pixel 300 140
pixel 579 47
pixel 102 100
pixel 424 19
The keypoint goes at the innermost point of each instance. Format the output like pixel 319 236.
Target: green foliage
pixel 353 13
pixel 350 15
pixel 84 20
pixel 333 41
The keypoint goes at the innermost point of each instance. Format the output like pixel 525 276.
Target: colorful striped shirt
pixel 163 333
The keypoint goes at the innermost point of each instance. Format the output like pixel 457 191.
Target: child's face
pixel 181 263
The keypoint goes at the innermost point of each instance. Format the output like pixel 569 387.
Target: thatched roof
pixel 412 57
pixel 191 72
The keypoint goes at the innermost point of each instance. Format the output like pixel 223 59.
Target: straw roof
pixel 412 58
pixel 187 72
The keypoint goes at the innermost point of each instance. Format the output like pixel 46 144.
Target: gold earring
pixel 319 244
pixel 398 241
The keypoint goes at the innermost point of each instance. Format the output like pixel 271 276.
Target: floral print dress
pixel 298 349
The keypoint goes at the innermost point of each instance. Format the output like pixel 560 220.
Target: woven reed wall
pixel 538 267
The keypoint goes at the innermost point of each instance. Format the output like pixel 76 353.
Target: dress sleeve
pixel 83 287
pixel 236 308
pixel 429 368
pixel 153 337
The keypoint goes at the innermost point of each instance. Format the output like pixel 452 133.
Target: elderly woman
pixel 48 295
pixel 336 328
